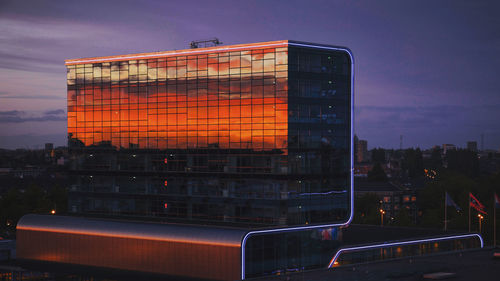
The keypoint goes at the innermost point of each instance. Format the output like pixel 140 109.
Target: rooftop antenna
pixel 212 42
pixel 400 142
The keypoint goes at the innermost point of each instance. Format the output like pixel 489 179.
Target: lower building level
pixel 207 252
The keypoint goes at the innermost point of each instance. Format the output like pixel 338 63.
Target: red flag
pixel 474 203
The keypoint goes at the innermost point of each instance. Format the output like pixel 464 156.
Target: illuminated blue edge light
pixel 385 245
pixel 298 228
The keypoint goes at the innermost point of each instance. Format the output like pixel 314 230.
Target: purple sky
pixel 427 70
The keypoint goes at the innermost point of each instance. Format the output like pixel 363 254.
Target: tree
pixel 367 209
pixel 413 162
pixel 35 200
pixel 463 161
pixel 435 162
pixel 431 199
pixel 378 155
pixel 403 218
pixel 377 173
pixel 58 199
pixel 11 206
pixel 15 204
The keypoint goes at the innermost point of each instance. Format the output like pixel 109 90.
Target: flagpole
pixel 445 198
pixel 494 220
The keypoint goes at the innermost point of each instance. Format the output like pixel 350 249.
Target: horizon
pixel 40 146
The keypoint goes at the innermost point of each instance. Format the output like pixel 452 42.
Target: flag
pixel 326 234
pixel 474 203
pixel 450 202
pixel 497 201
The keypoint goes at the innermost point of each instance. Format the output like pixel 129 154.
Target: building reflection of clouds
pixel 228 100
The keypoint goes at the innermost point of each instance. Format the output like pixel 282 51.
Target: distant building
pixel 472 145
pixel 49 146
pixel 361 170
pixel 49 151
pixel 392 198
pixel 426 154
pixel 447 147
pixel 5 171
pixel 27 171
pixel 61 161
pixel 362 151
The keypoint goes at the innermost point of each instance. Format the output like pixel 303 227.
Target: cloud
pixel 428 116
pixel 39 45
pixel 27 63
pixel 5 95
pixel 17 116
pixel 427 126
pixel 55 112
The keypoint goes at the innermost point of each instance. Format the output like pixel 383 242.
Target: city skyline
pixel 424 71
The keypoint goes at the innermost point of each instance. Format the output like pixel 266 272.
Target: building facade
pixel 393 199
pixel 254 134
pixel 362 151
pixel 472 145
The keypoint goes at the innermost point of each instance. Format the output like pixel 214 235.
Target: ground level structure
pixel 200 252
pixel 462 265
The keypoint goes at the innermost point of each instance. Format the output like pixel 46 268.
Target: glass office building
pixel 251 142
pixel 251 135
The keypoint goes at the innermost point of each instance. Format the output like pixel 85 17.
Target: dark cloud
pixel 27 62
pixel 16 116
pixel 4 95
pixel 55 112
pixel 427 126
pixel 407 116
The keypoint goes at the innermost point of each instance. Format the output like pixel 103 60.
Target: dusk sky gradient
pixel 427 70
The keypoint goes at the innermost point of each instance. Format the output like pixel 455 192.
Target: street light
pixel 480 219
pixel 382 213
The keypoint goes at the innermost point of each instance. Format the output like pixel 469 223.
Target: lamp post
pixel 480 219
pixel 382 213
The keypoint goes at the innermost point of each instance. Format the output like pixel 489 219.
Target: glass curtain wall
pixel 153 137
pixel 255 137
